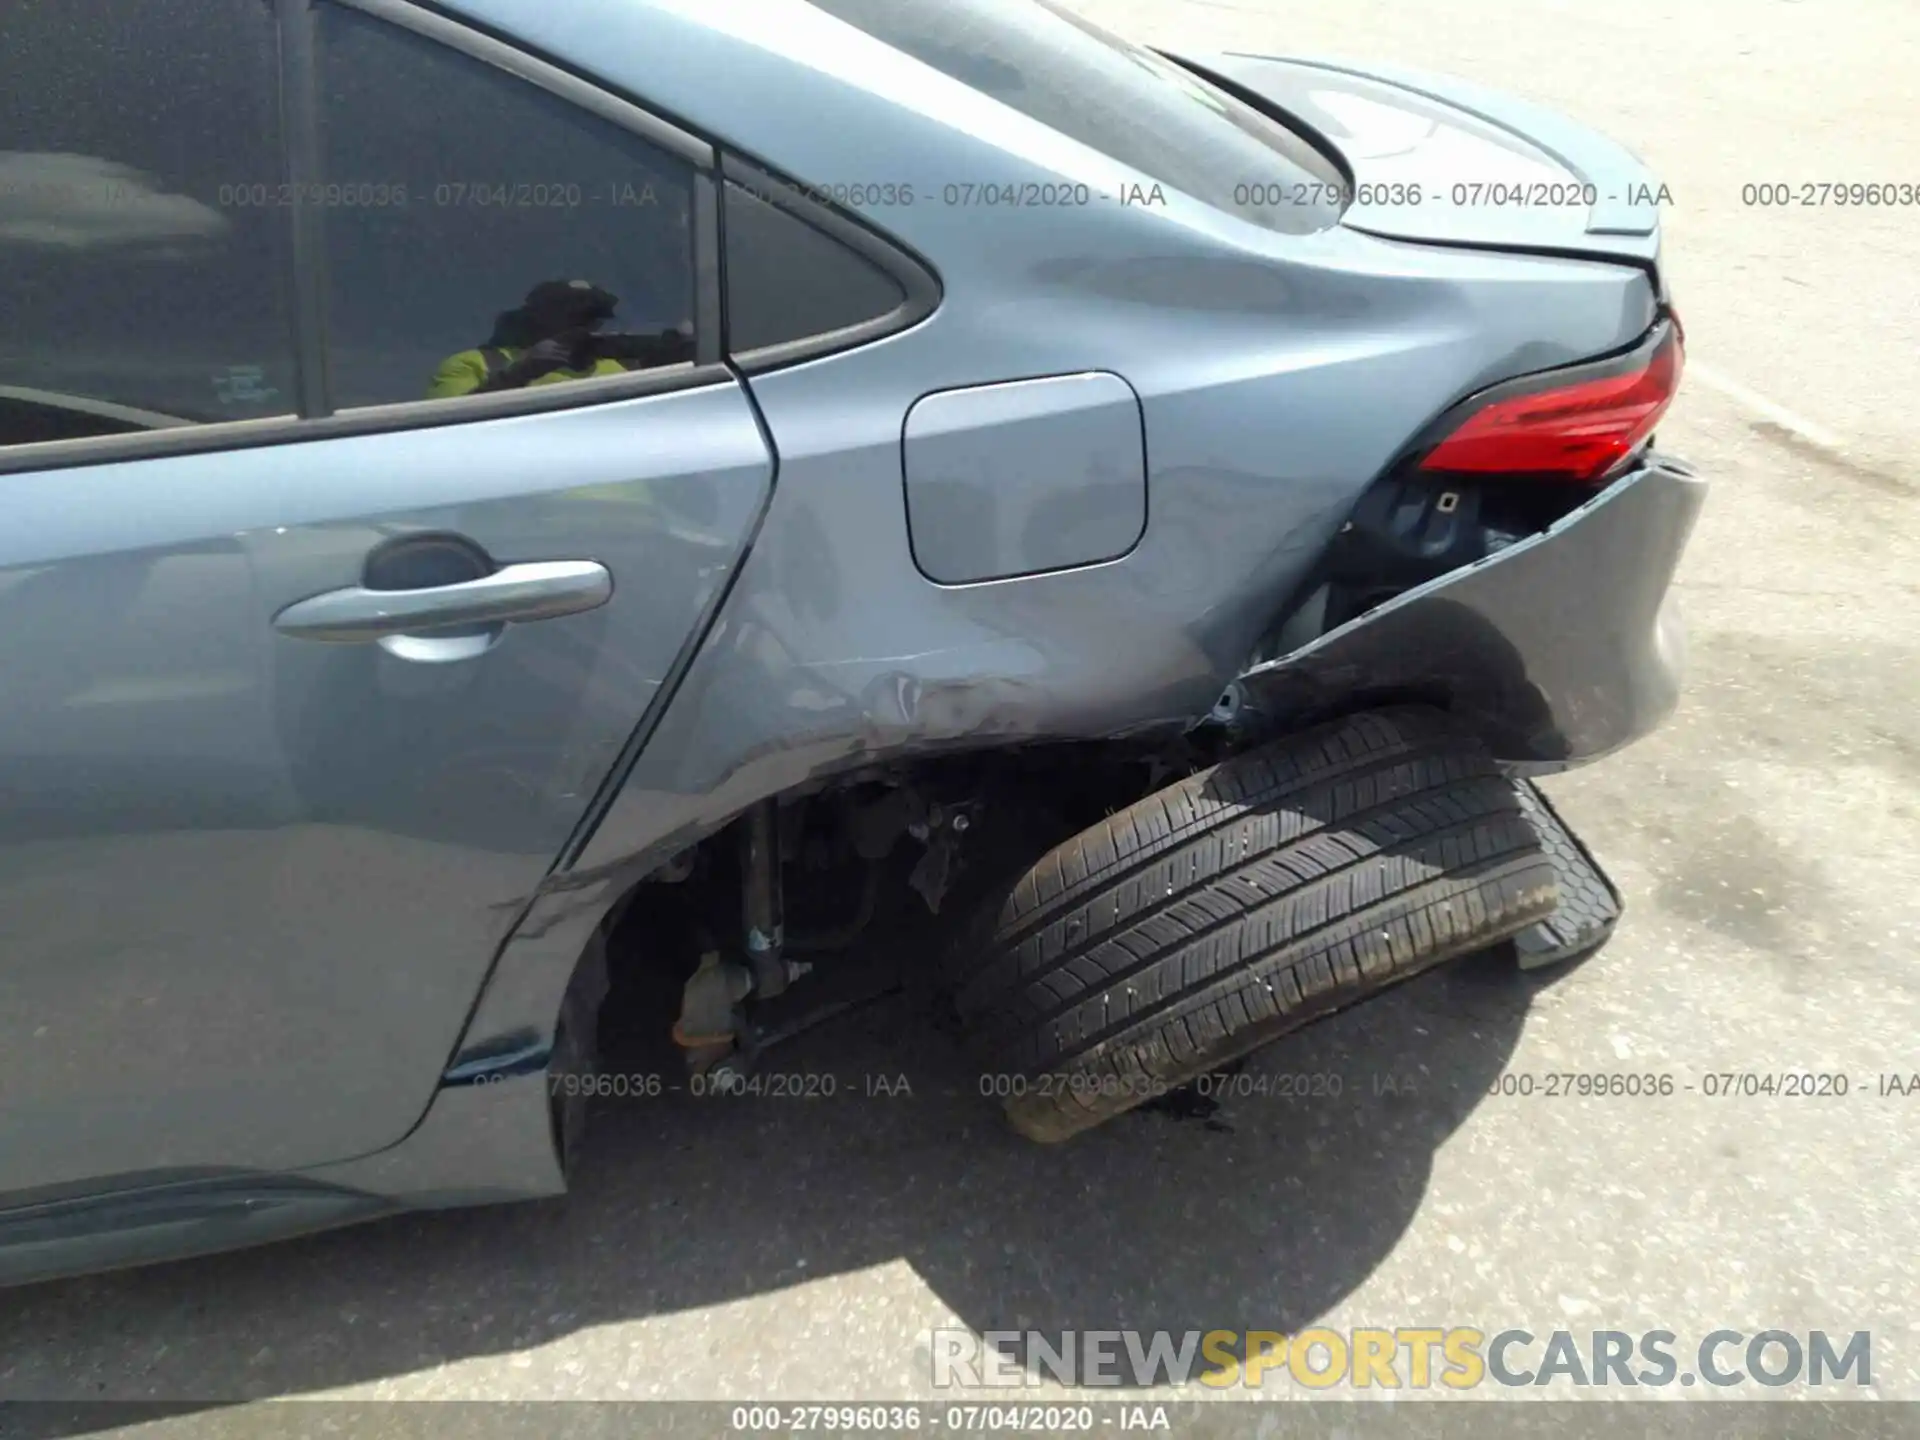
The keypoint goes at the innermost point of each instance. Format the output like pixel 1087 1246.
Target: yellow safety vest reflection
pixel 463 374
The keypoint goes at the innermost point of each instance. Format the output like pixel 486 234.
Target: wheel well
pixel 892 851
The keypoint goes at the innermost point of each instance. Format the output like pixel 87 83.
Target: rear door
pixel 306 678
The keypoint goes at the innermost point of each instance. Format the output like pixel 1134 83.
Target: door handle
pixel 538 591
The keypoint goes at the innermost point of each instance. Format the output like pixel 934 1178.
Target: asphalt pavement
pixel 1767 841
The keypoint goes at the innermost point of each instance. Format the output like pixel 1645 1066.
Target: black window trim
pixel 305 281
pixel 918 281
pixel 584 94
pixel 360 420
pixel 315 419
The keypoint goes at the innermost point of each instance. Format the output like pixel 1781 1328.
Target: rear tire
pixel 1239 904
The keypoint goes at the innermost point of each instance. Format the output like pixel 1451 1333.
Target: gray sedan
pixel 535 525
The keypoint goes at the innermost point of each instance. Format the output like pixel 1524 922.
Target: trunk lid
pixel 1492 170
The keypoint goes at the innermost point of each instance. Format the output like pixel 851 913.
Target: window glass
pixel 1117 97
pixel 788 281
pixel 483 234
pixel 142 281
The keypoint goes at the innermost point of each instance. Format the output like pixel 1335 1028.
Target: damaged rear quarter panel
pixel 1277 376
pixel 1273 393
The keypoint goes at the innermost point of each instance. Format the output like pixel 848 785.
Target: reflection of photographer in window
pixel 555 335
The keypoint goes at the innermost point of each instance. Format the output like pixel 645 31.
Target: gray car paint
pixel 1277 376
pixel 249 884
pixel 494 1141
pixel 1244 350
pixel 1554 654
pixel 1025 477
pixel 1247 349
pixel 835 650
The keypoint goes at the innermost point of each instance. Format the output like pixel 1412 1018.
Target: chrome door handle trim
pixel 537 591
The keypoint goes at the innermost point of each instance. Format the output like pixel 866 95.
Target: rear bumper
pixel 1556 650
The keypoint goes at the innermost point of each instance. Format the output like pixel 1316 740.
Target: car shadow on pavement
pixel 1259 1212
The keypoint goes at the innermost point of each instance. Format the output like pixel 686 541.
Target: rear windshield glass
pixel 1117 97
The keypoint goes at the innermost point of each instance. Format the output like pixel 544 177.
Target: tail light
pixel 1570 426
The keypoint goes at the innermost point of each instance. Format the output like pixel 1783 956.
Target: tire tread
pixel 1240 903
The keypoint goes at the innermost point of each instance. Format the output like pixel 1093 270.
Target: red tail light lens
pixel 1573 431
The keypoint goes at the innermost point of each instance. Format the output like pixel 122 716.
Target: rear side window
pixel 786 281
pixel 482 233
pixel 141 285
pixel 1121 99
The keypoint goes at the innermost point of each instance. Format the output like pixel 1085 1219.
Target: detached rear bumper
pixel 1558 649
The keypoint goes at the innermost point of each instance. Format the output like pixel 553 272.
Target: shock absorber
pixel 762 903
pixel 714 1028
